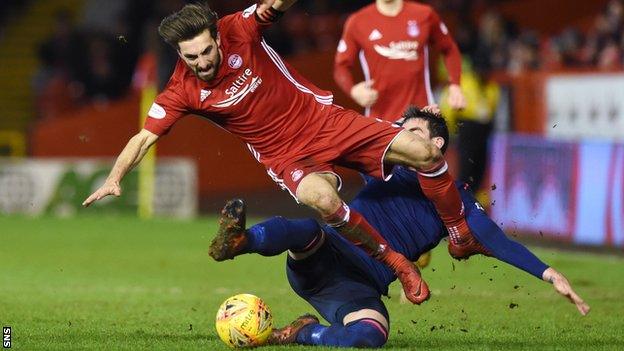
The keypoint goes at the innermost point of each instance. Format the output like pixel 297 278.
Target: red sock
pixel 355 228
pixel 438 186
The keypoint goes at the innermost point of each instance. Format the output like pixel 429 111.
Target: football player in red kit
pixel 391 39
pixel 227 74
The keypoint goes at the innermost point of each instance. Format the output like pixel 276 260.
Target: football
pixel 244 320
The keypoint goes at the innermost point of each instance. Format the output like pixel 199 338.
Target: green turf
pixel 108 283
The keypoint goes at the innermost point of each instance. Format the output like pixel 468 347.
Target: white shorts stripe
pixel 253 151
pixel 280 182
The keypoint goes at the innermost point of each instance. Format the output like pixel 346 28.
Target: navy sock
pixel 278 234
pixel 361 333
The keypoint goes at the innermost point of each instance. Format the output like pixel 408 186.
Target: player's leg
pixel 367 327
pixel 268 238
pixel 318 190
pixel 437 184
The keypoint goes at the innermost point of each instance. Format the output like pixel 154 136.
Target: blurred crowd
pixel 93 55
pixel 601 46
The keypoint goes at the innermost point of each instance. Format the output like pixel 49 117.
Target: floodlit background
pixel 76 77
pixel 74 72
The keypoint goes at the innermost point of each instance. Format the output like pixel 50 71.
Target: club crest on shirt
pixel 412 29
pixel 235 61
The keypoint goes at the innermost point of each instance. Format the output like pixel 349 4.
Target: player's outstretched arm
pixel 563 287
pixel 129 157
pixel 494 239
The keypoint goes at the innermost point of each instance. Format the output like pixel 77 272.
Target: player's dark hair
pixel 187 23
pixel 435 122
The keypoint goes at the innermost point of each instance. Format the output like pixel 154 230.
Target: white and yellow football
pixel 244 320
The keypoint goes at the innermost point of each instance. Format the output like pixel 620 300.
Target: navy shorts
pixel 332 284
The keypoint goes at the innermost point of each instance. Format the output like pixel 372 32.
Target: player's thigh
pixel 319 191
pixel 409 149
pixel 366 313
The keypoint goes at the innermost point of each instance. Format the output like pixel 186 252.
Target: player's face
pixel 420 127
pixel 202 55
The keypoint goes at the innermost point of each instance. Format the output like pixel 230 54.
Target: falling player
pixel 345 285
pixel 227 74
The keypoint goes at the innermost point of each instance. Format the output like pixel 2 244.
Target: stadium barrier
pixel 57 186
pixel 589 105
pixel 571 191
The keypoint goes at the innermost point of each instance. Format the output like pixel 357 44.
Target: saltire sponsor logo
pixel 239 89
pixel 402 50
pixel 238 97
pixel 323 99
pixel 157 111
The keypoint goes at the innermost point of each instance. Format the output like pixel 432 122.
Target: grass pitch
pixel 111 283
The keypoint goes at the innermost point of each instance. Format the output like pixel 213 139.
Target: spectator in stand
pixel 474 123
pixel 524 53
pixel 493 39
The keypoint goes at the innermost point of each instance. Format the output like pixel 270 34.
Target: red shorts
pixel 348 139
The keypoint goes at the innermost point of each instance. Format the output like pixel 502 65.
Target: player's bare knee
pixel 327 203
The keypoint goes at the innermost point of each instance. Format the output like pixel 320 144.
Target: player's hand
pixel 562 286
pixel 109 188
pixel 434 108
pixel 456 98
pixel 364 94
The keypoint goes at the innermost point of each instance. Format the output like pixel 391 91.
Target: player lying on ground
pixel 228 74
pixel 343 283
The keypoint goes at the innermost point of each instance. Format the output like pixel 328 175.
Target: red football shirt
pixel 255 95
pixel 394 52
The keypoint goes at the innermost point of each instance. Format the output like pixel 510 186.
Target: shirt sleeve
pixel 245 24
pixel 494 239
pixel 167 109
pixel 443 41
pixel 346 54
